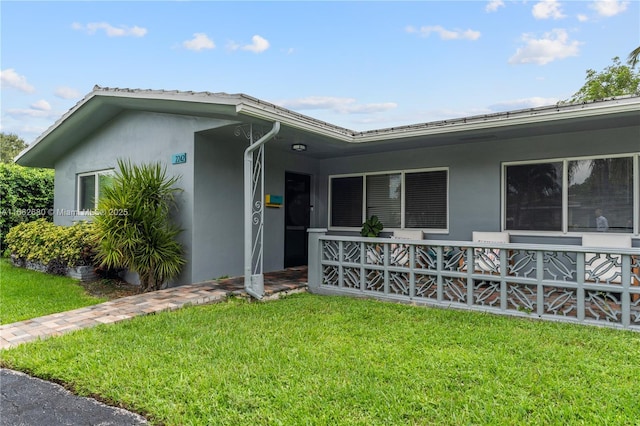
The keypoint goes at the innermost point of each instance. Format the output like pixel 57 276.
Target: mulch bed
pixel 110 288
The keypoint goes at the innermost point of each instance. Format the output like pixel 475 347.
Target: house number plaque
pixel 179 158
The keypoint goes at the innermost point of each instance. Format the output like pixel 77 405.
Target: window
pixel 426 200
pixel 90 186
pixel 346 201
pixel 534 197
pixel 601 195
pixel 383 198
pixel 408 199
pixel 571 195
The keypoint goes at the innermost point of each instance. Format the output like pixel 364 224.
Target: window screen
pixel 534 197
pixel 426 200
pixel 346 201
pixel 87 188
pixel 601 195
pixel 384 198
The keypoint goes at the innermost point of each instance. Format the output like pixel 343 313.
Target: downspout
pixel 253 284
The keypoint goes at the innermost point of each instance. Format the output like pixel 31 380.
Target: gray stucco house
pixel 545 175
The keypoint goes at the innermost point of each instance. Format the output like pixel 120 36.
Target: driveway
pixel 27 401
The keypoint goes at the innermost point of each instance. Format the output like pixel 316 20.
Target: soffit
pixel 322 147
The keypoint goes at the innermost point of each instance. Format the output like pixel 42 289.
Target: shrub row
pixel 56 247
pixel 23 190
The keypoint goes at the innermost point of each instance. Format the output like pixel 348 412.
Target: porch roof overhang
pixel 323 139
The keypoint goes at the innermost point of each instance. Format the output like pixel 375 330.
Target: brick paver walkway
pixel 289 280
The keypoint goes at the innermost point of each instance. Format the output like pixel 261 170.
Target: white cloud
pixel 258 45
pixel 38 109
pixel 547 9
pixel 10 78
pixel 30 112
pixel 524 103
pixel 26 132
pixel 583 18
pixel 65 92
pixel 110 30
pixel 335 104
pixel 553 45
pixel 444 34
pixel 199 42
pixel 609 7
pixel 493 5
pixel 41 105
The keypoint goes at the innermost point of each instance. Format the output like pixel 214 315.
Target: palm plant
pixel 632 60
pixel 134 228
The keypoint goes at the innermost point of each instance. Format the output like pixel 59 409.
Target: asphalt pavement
pixel 28 401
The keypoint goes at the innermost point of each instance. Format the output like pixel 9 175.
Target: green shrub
pixel 25 194
pixel 134 228
pixel 56 247
pixel 371 227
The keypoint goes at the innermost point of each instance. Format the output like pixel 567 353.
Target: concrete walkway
pixel 276 283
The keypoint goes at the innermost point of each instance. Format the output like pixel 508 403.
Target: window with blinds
pixel 415 199
pixel 384 198
pixel 346 201
pixel 426 200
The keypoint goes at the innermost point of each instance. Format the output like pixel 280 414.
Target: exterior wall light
pixel 299 147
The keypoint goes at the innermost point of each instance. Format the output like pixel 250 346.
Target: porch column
pixel 254 212
pixel 314 270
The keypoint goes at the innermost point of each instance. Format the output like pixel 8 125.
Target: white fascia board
pixel 297 121
pixel 170 95
pixel 489 122
pixel 270 112
pixel 55 125
pixel 190 97
pixel 465 124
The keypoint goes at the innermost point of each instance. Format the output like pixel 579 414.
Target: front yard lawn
pixel 321 360
pixel 28 294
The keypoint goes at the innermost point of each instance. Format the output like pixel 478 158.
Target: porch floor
pixel 275 283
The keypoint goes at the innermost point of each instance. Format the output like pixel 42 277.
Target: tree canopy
pixel 615 80
pixel 10 146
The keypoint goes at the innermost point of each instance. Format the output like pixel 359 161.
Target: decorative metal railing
pixel 565 283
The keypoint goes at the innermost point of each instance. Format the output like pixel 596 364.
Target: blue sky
pixel 361 65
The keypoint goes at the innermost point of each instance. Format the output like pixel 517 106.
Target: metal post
pixel 254 280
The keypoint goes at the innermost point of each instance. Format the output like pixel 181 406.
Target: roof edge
pixel 255 107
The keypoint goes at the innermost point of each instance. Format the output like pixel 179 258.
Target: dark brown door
pixel 297 192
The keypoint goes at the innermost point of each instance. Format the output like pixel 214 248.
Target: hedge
pixel 56 247
pixel 25 194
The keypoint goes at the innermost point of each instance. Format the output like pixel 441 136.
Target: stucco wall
pixel 212 180
pixel 218 231
pixel 140 137
pixel 475 172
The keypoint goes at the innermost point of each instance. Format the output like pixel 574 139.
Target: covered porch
pixel 587 285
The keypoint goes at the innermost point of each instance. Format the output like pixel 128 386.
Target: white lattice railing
pixel 565 283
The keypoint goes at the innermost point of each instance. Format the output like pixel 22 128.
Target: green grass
pixel 319 360
pixel 29 294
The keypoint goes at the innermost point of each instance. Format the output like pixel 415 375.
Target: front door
pixel 297 192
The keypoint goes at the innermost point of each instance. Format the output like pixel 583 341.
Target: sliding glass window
pixel 572 195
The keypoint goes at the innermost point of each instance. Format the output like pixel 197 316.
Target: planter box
pixel 82 273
